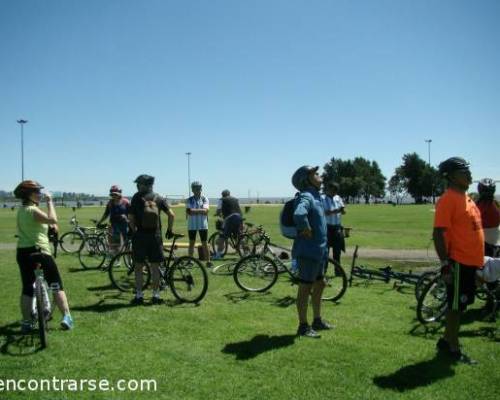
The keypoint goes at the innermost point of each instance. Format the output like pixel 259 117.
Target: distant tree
pixel 397 187
pixel 357 178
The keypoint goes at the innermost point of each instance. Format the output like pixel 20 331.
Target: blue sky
pixel 253 89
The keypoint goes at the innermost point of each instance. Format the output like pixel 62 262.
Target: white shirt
pixel 331 204
pixel 197 222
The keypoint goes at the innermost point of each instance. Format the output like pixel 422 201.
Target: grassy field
pixel 235 345
pixel 374 226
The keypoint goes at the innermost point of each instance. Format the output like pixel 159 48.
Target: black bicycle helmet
pixel 196 184
pixel 25 188
pixel 300 179
pixel 451 165
pixel 145 179
pixel 486 186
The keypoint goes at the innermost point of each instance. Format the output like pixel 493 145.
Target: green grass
pixel 236 345
pixel 374 226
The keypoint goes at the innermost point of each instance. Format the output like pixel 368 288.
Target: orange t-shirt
pixel 459 215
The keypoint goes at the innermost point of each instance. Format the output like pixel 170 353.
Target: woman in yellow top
pixel 33 248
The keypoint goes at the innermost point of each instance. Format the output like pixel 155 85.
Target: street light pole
pixel 429 141
pixel 22 122
pixel 189 172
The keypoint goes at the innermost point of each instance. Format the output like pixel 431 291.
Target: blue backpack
pixel 287 224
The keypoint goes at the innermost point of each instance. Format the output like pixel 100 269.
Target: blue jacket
pixel 309 213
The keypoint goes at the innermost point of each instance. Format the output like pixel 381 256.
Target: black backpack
pixel 287 224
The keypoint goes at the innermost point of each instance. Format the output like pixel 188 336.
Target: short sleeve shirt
pixel 137 207
pixel 118 212
pixel 332 203
pixel 30 232
pixel 459 215
pixel 197 222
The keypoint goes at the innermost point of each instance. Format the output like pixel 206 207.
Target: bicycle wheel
pixel 432 303
pixel 423 281
pixel 188 280
pixel 245 245
pixel 40 305
pixel 255 273
pixel 223 269
pixel 121 272
pixel 71 242
pixel 93 252
pixel 335 280
pixel 212 243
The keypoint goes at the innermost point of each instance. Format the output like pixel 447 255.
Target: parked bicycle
pixel 186 276
pixel 243 243
pixel 259 272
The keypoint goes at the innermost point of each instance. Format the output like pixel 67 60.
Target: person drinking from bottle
pixel 33 249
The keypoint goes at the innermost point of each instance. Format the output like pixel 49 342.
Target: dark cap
pixel 145 179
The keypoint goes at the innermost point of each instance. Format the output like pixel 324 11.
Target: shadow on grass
pixel 420 374
pixel 102 306
pixel 101 288
pixel 13 343
pixel 237 297
pixel 259 344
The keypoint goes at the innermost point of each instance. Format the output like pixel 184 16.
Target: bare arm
pixel 171 218
pixel 440 243
pixel 46 218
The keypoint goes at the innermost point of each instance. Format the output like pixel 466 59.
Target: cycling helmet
pixel 451 165
pixel 225 193
pixel 115 189
pixel 25 188
pixel 300 179
pixel 486 186
pixel 196 184
pixel 145 179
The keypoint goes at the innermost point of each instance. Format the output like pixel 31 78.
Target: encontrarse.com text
pixel 77 385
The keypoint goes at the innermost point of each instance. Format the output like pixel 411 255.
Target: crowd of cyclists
pixel 464 231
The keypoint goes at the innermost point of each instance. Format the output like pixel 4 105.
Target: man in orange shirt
pixel 459 243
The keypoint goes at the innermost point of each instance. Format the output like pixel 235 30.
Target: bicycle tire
pixel 335 282
pixel 255 273
pixel 432 303
pixel 71 242
pixel 424 280
pixel 188 280
pixel 223 269
pixel 121 272
pixel 245 245
pixel 42 322
pixel 93 252
pixel 212 242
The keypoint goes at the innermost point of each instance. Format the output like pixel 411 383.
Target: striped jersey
pixel 197 222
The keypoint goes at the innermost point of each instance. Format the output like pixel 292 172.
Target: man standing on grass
pixel 197 207
pixel 147 243
pixel 334 209
pixel 459 242
pixel 309 249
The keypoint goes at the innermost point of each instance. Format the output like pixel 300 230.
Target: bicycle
pixel 259 272
pixel 41 308
pixel 243 242
pixel 186 276
pixel 432 303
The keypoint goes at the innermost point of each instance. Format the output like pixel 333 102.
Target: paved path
pixel 363 252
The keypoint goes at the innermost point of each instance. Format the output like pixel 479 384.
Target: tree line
pixel 362 179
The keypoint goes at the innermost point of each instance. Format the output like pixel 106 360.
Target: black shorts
pixel 27 258
pixel 147 246
pixel 203 235
pixel 335 237
pixel 461 289
pixel 232 226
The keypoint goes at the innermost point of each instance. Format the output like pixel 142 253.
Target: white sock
pixel 156 293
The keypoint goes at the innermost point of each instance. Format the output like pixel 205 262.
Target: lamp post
pixel 189 172
pixel 429 141
pixel 22 122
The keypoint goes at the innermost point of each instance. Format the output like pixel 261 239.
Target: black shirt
pixel 137 207
pixel 230 205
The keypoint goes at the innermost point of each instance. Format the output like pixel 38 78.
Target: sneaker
pixel 321 325
pixel 443 345
pixel 156 300
pixel 26 327
pixel 137 301
pixel 67 323
pixel 307 331
pixel 459 357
